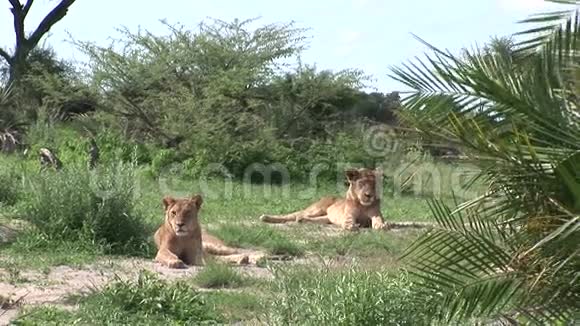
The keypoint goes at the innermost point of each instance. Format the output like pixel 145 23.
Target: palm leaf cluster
pixel 512 254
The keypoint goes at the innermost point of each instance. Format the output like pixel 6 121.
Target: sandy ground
pixel 53 287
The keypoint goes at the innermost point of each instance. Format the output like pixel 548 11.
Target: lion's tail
pixel 411 225
pixel 215 246
pixel 219 250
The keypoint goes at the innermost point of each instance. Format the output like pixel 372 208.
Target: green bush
pixel 113 148
pixel 351 297
pixel 78 204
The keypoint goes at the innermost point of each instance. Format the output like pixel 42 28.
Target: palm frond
pixel 555 32
pixel 512 252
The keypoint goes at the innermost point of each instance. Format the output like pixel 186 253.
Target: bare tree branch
pixel 6 56
pixel 15 4
pixel 26 8
pixel 18 14
pixel 137 112
pixel 52 18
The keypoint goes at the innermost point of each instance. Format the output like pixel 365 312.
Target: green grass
pixel 219 275
pixel 31 251
pixel 367 243
pixel 237 306
pixel 275 241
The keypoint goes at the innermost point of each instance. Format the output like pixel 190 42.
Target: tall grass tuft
pixel 219 275
pixel 95 206
pixel 11 171
pixel 9 187
pixel 349 297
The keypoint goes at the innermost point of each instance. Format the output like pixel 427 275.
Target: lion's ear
pixel 198 200
pixel 352 174
pixel 168 201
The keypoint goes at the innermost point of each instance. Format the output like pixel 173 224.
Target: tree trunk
pixel 18 65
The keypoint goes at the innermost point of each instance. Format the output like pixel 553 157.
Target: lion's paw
pixel 351 227
pixel 176 264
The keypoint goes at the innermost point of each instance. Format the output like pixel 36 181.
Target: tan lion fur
pixel 181 241
pixel 361 207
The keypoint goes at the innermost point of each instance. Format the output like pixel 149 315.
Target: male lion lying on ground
pixel 361 207
pixel 181 241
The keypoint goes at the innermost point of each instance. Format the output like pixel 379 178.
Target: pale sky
pixel 366 34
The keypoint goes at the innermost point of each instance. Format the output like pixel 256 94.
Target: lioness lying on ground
pixel 181 241
pixel 361 206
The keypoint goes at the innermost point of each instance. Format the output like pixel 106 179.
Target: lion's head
pixel 181 214
pixel 363 185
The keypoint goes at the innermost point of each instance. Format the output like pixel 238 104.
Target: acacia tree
pixel 25 44
pixel 217 72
